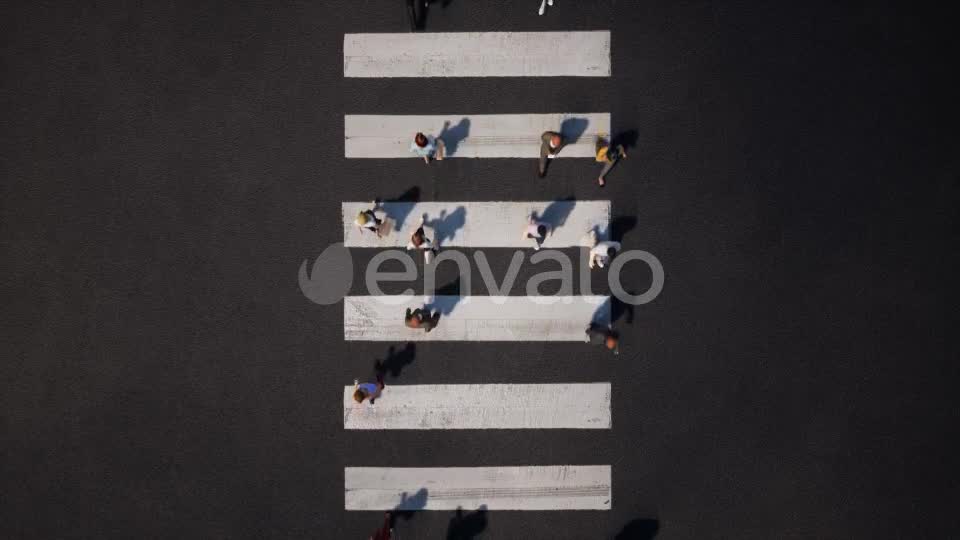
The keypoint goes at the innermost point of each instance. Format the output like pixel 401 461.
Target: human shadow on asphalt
pixel 467 526
pixel 399 212
pixel 627 138
pixel 445 299
pixel 445 226
pixel 408 506
pixel 617 228
pixel 556 213
pixel 396 360
pixel 639 529
pixel 452 137
pixel 572 129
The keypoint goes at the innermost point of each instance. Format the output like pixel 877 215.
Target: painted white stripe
pixel 482 406
pixel 561 487
pixel 477 54
pixel 479 224
pixel 475 318
pixel 473 135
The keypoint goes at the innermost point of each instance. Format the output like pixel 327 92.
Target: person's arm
pixel 623 153
pixel 593 258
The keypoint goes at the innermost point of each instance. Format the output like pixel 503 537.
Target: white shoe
pixel 543 7
pixel 549 2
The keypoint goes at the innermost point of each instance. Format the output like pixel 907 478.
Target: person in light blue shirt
pixel 367 390
pixel 427 147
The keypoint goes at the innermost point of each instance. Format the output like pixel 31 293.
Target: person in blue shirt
pixel 368 390
pixel 427 147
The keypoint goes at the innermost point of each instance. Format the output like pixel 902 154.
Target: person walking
pixel 598 334
pixel 385 532
pixel 427 147
pixel 419 240
pixel 551 143
pixel 543 6
pixel 368 220
pixel 537 231
pixel 421 319
pixel 609 156
pixel 368 390
pixel 602 252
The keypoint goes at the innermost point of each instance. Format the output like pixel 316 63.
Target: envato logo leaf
pixel 330 278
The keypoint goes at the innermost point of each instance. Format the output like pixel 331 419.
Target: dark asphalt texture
pixel 167 167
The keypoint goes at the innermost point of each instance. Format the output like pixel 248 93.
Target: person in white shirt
pixel 537 231
pixel 366 219
pixel 602 252
pixel 419 240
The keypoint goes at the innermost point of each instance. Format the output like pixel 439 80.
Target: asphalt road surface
pixel 167 167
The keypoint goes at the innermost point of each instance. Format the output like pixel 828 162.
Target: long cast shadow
pixel 639 529
pixel 445 226
pixel 557 212
pixel 617 228
pixel 469 526
pixel 396 360
pixel 408 506
pixel 573 128
pixel 399 212
pixel 452 137
pixel 627 138
pixel 445 298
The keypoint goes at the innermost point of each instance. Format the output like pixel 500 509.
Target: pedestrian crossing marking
pixel 482 406
pixel 475 318
pixel 489 224
pixel 473 135
pixel 478 54
pixel 557 487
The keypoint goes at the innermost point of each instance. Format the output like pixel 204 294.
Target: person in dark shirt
pixel 421 319
pixel 598 334
pixel 551 143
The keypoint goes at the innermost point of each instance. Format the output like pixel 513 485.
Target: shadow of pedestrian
pixel 572 128
pixel 639 529
pixel 445 226
pixel 602 316
pixel 469 526
pixel 399 212
pixel 452 137
pixel 556 213
pixel 396 360
pixel 619 308
pixel 445 299
pixel 627 138
pixel 408 506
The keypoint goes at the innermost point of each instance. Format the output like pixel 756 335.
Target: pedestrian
pixel 605 335
pixel 602 252
pixel 419 240
pixel 537 231
pixel 421 319
pixel 543 6
pixel 427 147
pixel 367 219
pixel 609 156
pixel 368 390
pixel 551 143
pixel 385 531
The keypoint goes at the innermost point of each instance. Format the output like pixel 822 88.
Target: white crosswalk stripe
pixel 475 318
pixel 495 224
pixel 485 224
pixel 478 54
pixel 563 487
pixel 482 406
pixel 473 135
